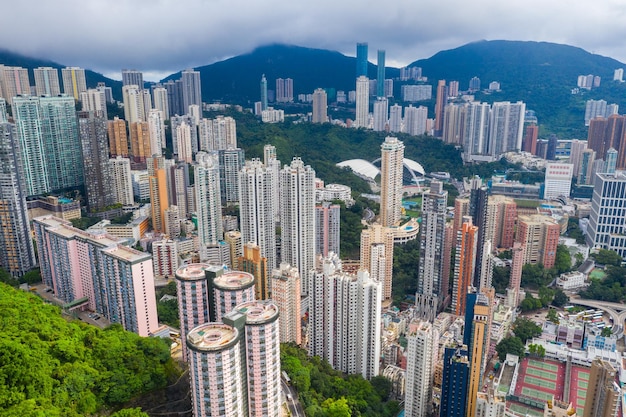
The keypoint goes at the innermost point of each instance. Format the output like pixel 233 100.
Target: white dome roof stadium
pixel 368 170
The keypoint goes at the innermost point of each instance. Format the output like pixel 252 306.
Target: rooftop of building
pixel 192 272
pixel 234 280
pixel 259 312
pixel 212 337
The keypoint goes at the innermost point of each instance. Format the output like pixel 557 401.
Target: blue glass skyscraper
pixel 380 79
pixel 361 59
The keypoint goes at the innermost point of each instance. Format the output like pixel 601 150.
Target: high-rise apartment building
pixel 78 264
pixel 380 66
pixel 132 77
pixel 464 264
pixel 121 181
pixel 361 59
pixel 17 255
pixel 191 143
pixel 362 102
pixel 181 134
pixel 286 295
pixel 577 147
pixel 381 114
pixel 165 258
pixel 345 318
pixel 192 290
pixel 320 106
pixel 529 143
pixel 28 121
pixel 415 120
pixel 174 97
pixel 422 347
pixel 272 163
pixel 191 89
pixel 94 100
pixel 257 206
pixel 255 264
pixel 456 372
pixel 118 138
pixel 540 235
pixel 160 102
pixel 14 82
pixel 440 103
pixel 297 218
pixel 327 228
pixel 140 146
pixel 395 118
pixel 47 81
pixel 478 348
pixel 491 404
pixel 73 81
pixel 233 240
pixel 218 134
pixel 603 394
pixel 95 155
pixel 227 290
pixel 429 297
pixel 61 142
pixel 585 167
pixel 284 90
pixel 392 163
pixel 515 276
pixel 377 255
pixel 134 106
pixel 231 162
pixel 156 129
pixel 207 189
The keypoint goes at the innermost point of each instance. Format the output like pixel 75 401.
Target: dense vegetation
pixel 325 392
pixel 52 367
pixel 610 288
pixel 167 310
pixel 405 270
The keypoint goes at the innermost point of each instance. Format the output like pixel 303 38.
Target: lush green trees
pixel 563 261
pixel 511 345
pixel 50 367
pixel 607 257
pixel 325 392
pixel 530 303
pixel 525 329
pixel 552 316
pixel 168 309
pixel 611 288
pixel 405 269
pixel 500 279
pixel 535 275
pixel 536 350
pixel 606 332
pixel 560 298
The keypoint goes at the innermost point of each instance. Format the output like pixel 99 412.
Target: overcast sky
pixel 163 36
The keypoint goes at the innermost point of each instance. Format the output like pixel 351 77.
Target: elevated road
pixel 617 312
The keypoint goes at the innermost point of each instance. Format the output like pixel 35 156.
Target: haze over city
pixel 165 36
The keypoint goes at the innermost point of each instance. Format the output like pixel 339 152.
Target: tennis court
pixel 539 382
pixel 543 365
pixel 583 375
pixel 542 374
pixel 583 384
pixel 537 395
pixel 524 411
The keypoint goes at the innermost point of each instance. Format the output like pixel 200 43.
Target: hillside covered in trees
pixel 50 366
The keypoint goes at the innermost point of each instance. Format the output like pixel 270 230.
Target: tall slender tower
pixel 429 297
pixel 464 264
pixel 442 98
pixel 422 348
pixel 121 181
pixel 377 255
pixel 47 81
pixel 14 81
pixel 362 102
pixel 320 105
pixel 380 79
pixel 192 92
pixel 118 138
pixel 478 347
pixel 286 295
pixel 297 218
pixel 95 153
pixel 327 228
pixel 263 92
pixel 257 207
pixel 17 255
pixel 516 274
pixel 392 159
pixel 132 77
pixel 207 187
pixel 361 59
pixel 456 369
pixel 255 264
pixel 94 100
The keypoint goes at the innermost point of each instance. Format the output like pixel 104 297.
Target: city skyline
pixel 136 45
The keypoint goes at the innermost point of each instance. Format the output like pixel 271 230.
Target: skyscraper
pixel 132 77
pixel 255 264
pixel 540 234
pixel 380 79
pixel 121 181
pixel 415 120
pixel 134 107
pixel 14 82
pixel 118 138
pixel 429 295
pixel 181 134
pixel 191 90
pixel 156 128
pixel 320 105
pixel 391 167
pixel 95 155
pixel 94 100
pixel 256 208
pixel 361 59
pixel 529 144
pixel 207 188
pixel 17 255
pixel 286 295
pixel 515 280
pixel 47 81
pixel 422 349
pixel 174 98
pixel 442 98
pixel 362 102
pixel 478 347
pixel 608 231
pixel 160 102
pixel 27 114
pixel 140 146
pixel 603 394
pixel 456 371
pixel 395 118
pixel 231 162
pixel 466 244
pixel 190 142
pixel 327 228
pixel 192 291
pixel 59 127
pixel 73 81
pixel 377 255
pixel 263 92
pixel 381 114
pixel 228 290
pixel 297 218
pixel 284 90
pixel 218 134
